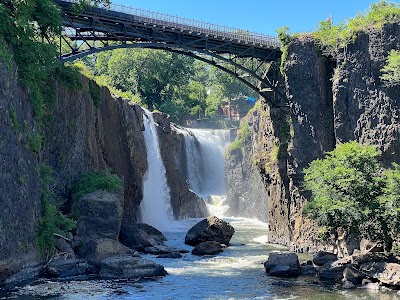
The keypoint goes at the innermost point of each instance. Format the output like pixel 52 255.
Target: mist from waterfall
pixel 155 207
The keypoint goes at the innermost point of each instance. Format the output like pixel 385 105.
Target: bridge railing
pixel 194 26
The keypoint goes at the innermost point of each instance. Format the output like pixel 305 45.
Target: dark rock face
pixel 207 248
pixel 66 267
pixel 95 251
pixel 185 203
pixel 100 215
pixel 321 257
pixel 282 264
pixel 19 181
pixel 126 267
pixel 330 102
pixel 87 138
pixel 353 275
pixel 246 188
pixel 138 236
pixel 210 229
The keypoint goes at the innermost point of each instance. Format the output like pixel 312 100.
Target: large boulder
pixel 207 248
pixel 139 236
pixel 66 267
pixel 210 229
pixel 353 275
pixel 282 264
pixel 96 251
pixel 100 215
pixel 127 267
pixel 321 257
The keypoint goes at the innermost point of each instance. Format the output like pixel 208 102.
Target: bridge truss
pixel 251 58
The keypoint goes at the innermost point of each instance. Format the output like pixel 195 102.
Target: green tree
pixel 391 71
pixel 347 191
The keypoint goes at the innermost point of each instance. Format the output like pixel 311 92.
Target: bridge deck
pixel 124 24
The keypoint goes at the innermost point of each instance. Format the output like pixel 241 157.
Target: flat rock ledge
pixel 127 267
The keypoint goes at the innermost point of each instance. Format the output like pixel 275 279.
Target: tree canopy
pixel 176 84
pixel 350 191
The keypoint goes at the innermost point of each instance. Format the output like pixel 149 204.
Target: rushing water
pixel 237 273
pixel 205 160
pixel 155 207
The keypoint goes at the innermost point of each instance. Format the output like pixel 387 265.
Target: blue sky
pixel 262 16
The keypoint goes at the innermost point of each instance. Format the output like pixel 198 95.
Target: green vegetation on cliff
pixel 391 71
pixel 331 38
pixel 93 181
pixel 349 191
pixel 52 221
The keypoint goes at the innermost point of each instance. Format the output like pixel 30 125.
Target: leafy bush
pixel 333 37
pixel 91 182
pixel 12 113
pixel 52 221
pixel 391 71
pixel 284 38
pixel 348 191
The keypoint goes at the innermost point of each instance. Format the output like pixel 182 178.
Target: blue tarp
pixel 251 101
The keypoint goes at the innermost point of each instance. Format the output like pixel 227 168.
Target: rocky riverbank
pixel 370 270
pixel 87 130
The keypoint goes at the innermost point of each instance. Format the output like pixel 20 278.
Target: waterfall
pixel 155 207
pixel 205 160
pixel 205 165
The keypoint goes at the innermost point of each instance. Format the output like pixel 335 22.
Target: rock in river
pixel 282 264
pixel 126 267
pixel 207 248
pixel 210 229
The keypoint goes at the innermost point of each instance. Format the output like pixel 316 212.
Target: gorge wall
pixel 331 101
pixel 88 129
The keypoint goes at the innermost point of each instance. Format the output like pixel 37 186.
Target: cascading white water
pixel 205 160
pixel 155 207
pixel 205 165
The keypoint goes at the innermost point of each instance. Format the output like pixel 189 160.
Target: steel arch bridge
pixel 250 57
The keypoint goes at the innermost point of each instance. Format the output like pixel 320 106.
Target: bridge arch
pixel 95 27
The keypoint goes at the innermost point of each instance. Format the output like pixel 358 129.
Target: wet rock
pixel 321 257
pixel 127 267
pixel 100 215
pixel 307 270
pixel 95 251
pixel 161 249
pixel 210 229
pixel 63 246
pixel 353 275
pixel 330 273
pixel 170 255
pixel 207 248
pixel 139 236
pixel 66 267
pixel 282 264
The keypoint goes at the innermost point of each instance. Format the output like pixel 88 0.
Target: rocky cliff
pixel 330 101
pixel 88 129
